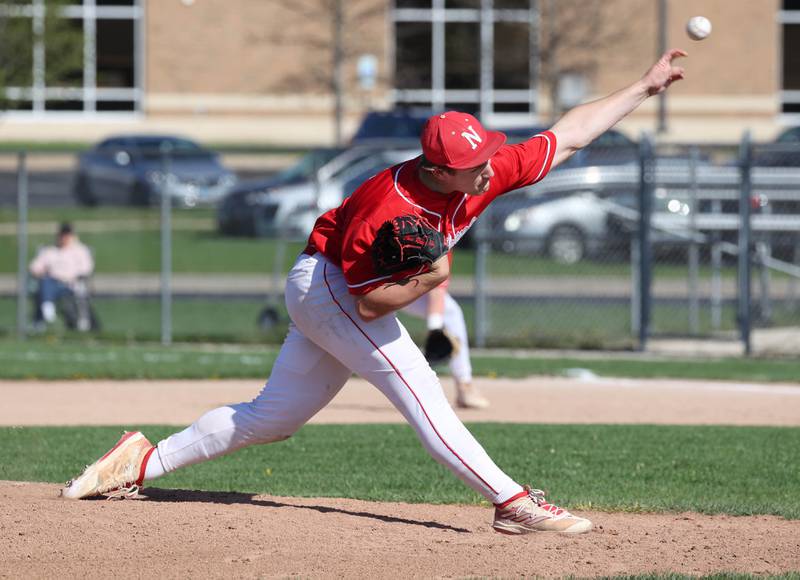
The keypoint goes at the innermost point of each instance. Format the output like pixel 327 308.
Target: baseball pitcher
pixel 382 249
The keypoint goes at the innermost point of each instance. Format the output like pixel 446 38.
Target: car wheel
pixel 507 246
pixel 83 191
pixel 566 245
pixel 224 228
pixel 268 318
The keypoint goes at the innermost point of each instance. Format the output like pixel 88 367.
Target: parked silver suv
pixel 592 211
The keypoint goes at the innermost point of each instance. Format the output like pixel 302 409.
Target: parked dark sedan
pixel 610 148
pixel 784 151
pixel 239 213
pixel 397 127
pixel 136 169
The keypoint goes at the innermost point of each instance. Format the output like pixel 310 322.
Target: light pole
pixel 338 73
pixel 662 47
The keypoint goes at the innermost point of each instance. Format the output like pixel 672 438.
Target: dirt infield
pixel 532 400
pixel 182 534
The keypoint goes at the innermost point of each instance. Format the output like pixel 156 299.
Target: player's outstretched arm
pixel 583 124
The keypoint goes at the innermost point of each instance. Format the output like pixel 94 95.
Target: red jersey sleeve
pixel 524 163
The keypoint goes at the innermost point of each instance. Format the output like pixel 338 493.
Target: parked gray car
pixel 290 210
pixel 136 169
pixel 566 229
pixel 240 212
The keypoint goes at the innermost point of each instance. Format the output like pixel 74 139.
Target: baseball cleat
pixel 528 512
pixel 471 400
pixel 117 474
pixel 469 397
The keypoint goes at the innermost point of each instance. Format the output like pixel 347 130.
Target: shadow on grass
pixel 231 498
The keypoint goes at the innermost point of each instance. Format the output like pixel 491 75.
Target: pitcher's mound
pixel 187 534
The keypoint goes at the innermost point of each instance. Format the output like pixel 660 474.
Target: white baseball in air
pixel 698 27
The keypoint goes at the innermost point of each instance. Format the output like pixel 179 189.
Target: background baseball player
pixel 447 342
pixel 382 249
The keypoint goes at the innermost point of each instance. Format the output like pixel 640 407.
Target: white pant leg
pixel 455 325
pixel 303 380
pixel 383 353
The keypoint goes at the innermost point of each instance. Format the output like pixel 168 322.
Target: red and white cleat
pixel 528 512
pixel 117 474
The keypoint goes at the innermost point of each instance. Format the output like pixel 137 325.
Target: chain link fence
pixel 163 272
pixel 622 244
pixel 645 243
pixel 775 240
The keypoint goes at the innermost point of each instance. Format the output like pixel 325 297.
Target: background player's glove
pixel 407 241
pixel 440 346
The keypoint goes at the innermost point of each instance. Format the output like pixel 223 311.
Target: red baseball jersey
pixel 344 234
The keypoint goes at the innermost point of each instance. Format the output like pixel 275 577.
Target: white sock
pixel 49 311
pixel 154 467
pixel 435 321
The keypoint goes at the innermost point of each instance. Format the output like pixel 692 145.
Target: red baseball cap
pixel 458 140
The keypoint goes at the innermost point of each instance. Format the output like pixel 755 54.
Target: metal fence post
pixel 716 271
pixel 166 246
pixel 763 247
pixel 646 190
pixel 764 299
pixel 744 264
pixel 22 245
pixel 694 250
pixel 481 259
pixel 716 284
pixel 791 291
pixel 635 281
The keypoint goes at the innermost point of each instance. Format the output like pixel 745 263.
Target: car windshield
pixel 390 127
pixel 613 139
pixel 610 138
pixel 790 136
pixel 151 147
pixel 307 165
pixel 516 134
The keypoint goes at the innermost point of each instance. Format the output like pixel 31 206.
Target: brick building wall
pixel 260 70
pixel 255 57
pixel 248 57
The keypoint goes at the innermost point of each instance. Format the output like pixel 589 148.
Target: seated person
pixel 58 270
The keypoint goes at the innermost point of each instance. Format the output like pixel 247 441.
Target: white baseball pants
pixel 327 341
pixel 454 323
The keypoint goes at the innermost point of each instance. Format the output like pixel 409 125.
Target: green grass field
pixel 204 251
pixel 65 359
pixel 732 470
pixel 553 324
pixel 719 576
pixel 134 246
pixel 128 243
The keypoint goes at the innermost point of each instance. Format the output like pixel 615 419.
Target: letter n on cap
pixel 471 136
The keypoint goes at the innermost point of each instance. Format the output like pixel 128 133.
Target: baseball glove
pixel 407 241
pixel 440 346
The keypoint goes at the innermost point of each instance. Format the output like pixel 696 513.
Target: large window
pixel 80 56
pixel 474 55
pixel 790 70
pixel 412 55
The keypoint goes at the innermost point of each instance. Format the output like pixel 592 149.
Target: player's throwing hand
pixel 663 73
